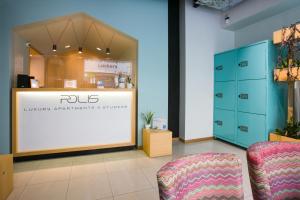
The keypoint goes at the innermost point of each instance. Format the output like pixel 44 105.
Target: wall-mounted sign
pixel 107 66
pixel 49 120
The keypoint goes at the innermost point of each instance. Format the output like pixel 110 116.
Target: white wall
pixel 264 29
pixel 203 37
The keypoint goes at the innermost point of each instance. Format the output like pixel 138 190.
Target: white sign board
pixel 107 66
pixel 49 120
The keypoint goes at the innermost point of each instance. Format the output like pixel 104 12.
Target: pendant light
pixel 55 42
pixel 107 51
pixel 54 48
pixel 80 50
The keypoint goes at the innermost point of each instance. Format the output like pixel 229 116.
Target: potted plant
pixel 129 82
pixel 291 132
pixel 148 117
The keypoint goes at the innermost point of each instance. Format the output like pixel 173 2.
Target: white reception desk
pixel 47 121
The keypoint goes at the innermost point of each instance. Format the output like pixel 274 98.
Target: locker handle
pixel 243 128
pixel 243 63
pixel 219 68
pixel 243 96
pixel 219 95
pixel 219 123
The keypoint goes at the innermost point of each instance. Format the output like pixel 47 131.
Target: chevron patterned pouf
pixel 274 169
pixel 204 176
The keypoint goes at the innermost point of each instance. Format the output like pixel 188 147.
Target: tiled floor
pixel 111 176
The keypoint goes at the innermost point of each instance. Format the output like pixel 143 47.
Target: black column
pixel 173 27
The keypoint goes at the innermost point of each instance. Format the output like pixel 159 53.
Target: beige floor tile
pixel 130 173
pixel 123 182
pixel 90 188
pixel 49 175
pixel 157 162
pixel 121 155
pixel 141 195
pixel 46 191
pixel 248 198
pixel 88 159
pixel 121 164
pixel 16 193
pixel 26 166
pixel 140 154
pixel 54 163
pixel 87 169
pixel 21 179
pixel 150 173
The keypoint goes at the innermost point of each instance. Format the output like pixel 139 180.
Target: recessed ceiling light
pixel 67 46
pixel 98 48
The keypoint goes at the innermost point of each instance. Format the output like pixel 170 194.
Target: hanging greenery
pixel 288 56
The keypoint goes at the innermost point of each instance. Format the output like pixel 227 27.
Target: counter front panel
pixel 53 121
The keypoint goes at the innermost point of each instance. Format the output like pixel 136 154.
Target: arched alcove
pixel 75 47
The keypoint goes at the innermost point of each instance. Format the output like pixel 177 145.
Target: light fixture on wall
pixel 98 48
pixel 80 50
pixel 107 51
pixel 227 19
pixel 67 46
pixel 54 47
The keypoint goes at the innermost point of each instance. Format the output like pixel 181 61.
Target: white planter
pixel 129 85
pixel 147 126
pixel 121 85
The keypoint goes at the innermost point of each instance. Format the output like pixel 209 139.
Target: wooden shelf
pixel 281 74
pixel 279 138
pixel 277 35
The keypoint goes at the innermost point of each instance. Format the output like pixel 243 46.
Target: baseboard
pixel 196 140
pixel 140 147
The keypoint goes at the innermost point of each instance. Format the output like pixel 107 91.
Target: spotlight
pixel 98 48
pixel 54 48
pixel 107 51
pixel 227 19
pixel 196 4
pixel 80 50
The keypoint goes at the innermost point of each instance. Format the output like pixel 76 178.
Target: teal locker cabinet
pixel 248 104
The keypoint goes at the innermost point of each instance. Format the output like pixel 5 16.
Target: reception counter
pixel 47 121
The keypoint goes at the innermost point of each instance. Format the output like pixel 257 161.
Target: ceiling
pixel 79 30
pixel 222 5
